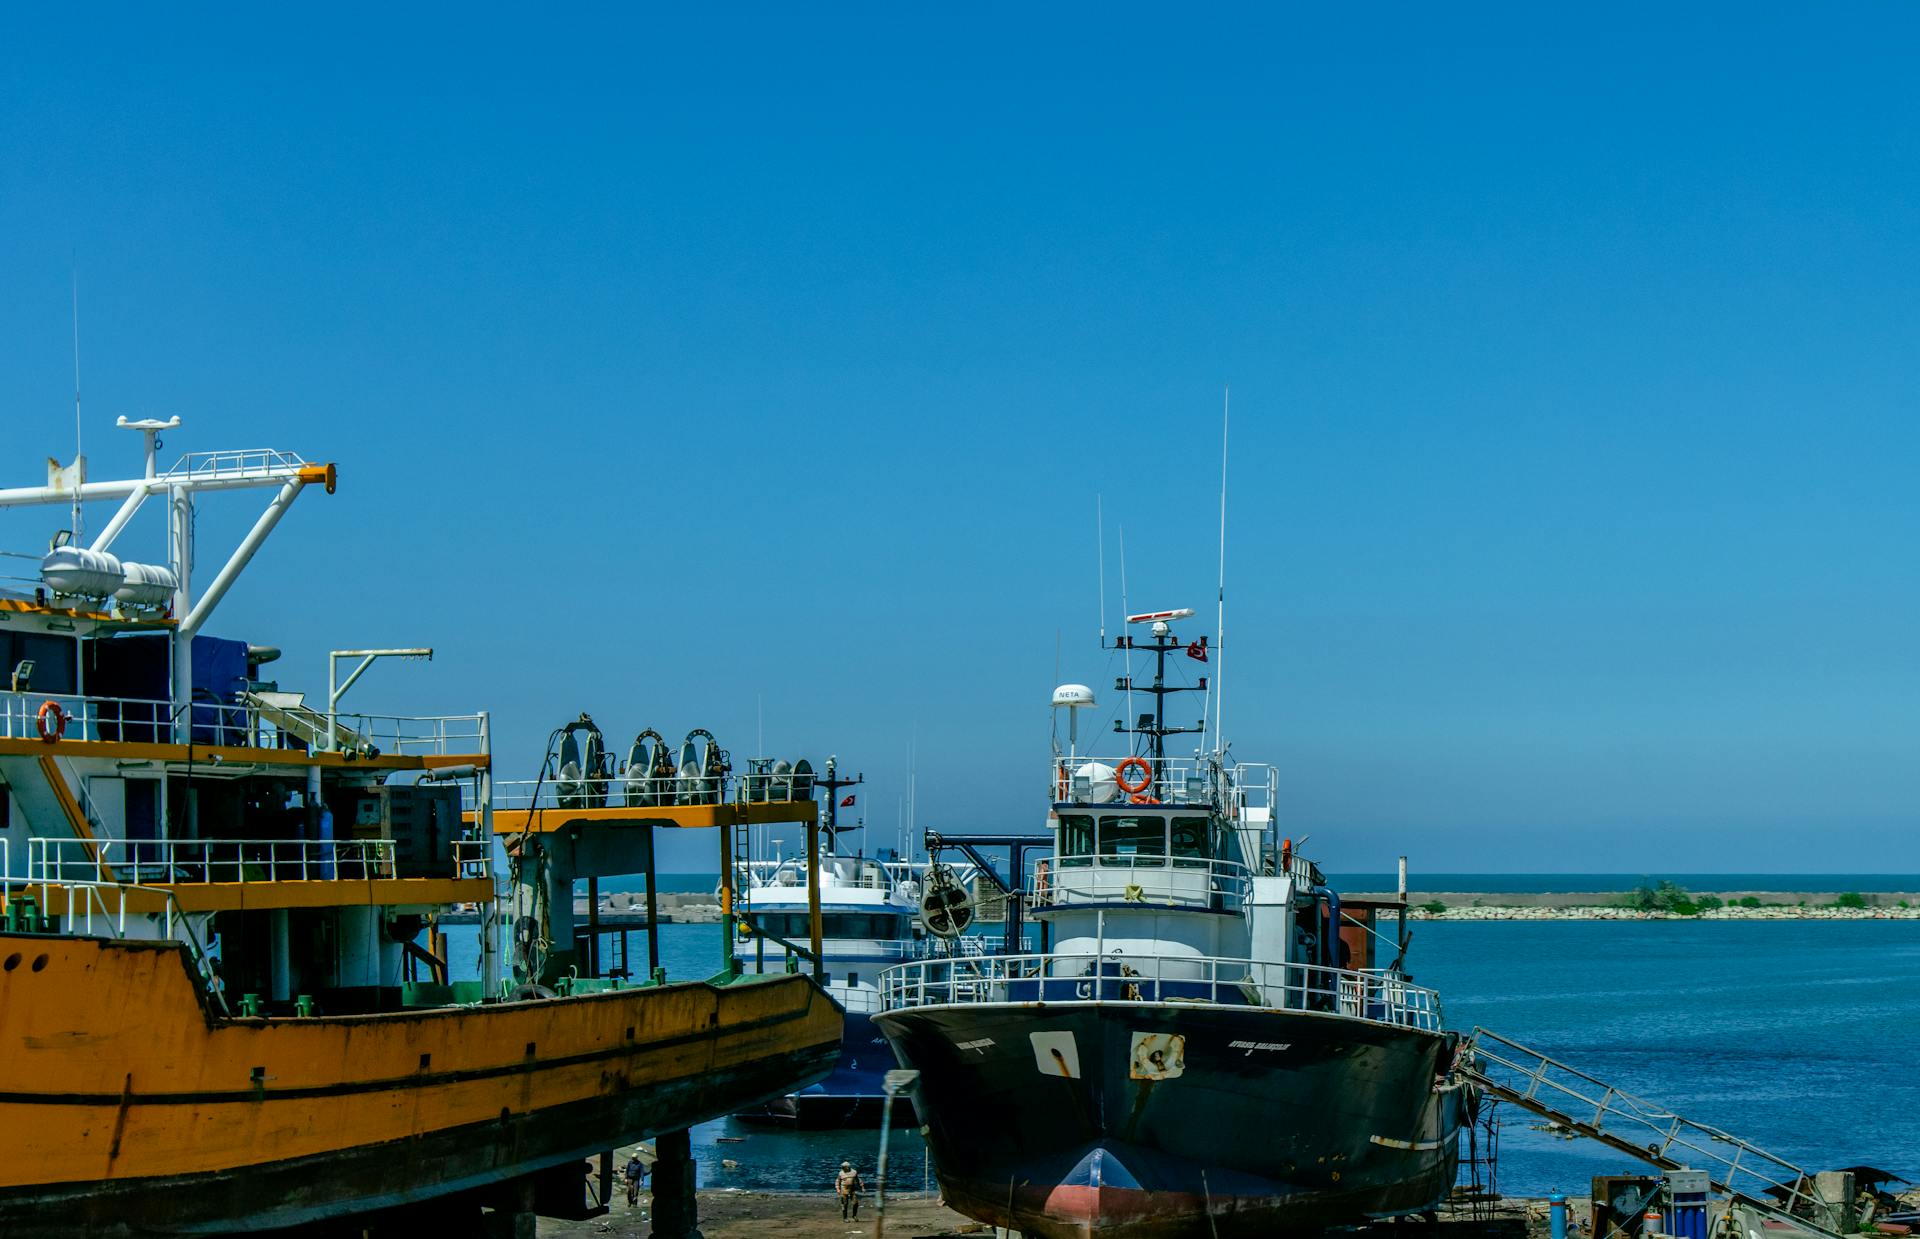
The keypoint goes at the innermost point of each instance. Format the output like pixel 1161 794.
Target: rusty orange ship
pixel 225 999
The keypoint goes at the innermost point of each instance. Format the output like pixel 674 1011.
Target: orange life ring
pixel 1138 798
pixel 59 728
pixel 1134 763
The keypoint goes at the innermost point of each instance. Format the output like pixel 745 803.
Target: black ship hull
pixel 854 1095
pixel 1057 1119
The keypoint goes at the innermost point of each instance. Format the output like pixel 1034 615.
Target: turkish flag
pixel 848 802
pixel 1197 649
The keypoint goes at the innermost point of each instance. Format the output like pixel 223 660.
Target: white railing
pixel 146 721
pixel 1530 1079
pixel 415 735
pixel 473 858
pixel 167 862
pixel 1172 780
pixel 762 786
pixel 618 791
pixel 1374 996
pixel 1154 881
pixel 970 946
pixel 837 873
pixel 234 464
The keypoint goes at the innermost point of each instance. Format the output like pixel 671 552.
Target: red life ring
pixel 59 728
pixel 1134 763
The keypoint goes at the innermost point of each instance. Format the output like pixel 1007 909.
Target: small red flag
pixel 848 802
pixel 1197 649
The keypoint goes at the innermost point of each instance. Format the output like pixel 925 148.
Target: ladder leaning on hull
pixel 1747 1174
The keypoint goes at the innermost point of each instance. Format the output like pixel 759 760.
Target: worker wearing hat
pixel 847 1186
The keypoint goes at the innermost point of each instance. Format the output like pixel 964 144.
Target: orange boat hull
pixel 134 1110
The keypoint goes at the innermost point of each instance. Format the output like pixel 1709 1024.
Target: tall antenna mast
pixel 1123 612
pixel 1100 523
pixel 77 531
pixel 1220 623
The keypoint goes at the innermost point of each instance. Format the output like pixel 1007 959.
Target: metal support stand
pixel 592 962
pixel 895 1081
pixel 813 903
pixel 676 1206
pixel 653 912
pixel 727 880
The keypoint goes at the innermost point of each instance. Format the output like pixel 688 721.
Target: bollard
pixel 1557 1214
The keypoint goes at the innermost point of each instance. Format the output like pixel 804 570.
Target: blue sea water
pixel 1498 883
pixel 1801 1036
pixel 1580 883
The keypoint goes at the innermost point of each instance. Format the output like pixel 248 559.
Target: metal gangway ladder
pixel 1746 1174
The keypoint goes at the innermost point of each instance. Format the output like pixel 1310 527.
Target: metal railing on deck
pixel 250 725
pixel 972 946
pixel 169 862
pixel 234 464
pixel 473 858
pixel 1377 997
pixel 618 791
pixel 1179 780
pixel 1155 881
pixel 1593 1107
pixel 99 909
pixel 838 873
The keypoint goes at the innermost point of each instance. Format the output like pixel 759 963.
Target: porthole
pixel 13 961
pixel 39 963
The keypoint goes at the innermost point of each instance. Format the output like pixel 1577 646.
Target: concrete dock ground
pixel 779 1215
pixel 816 1215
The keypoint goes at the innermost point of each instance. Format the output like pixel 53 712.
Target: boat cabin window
pixel 55 662
pixel 1143 838
pixel 1076 838
pixel 1191 837
pixel 793 925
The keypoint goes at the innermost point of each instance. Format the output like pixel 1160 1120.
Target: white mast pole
pixel 1220 623
pixel 79 471
pixel 1123 617
pixel 1100 525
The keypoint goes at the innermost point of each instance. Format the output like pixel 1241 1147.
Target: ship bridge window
pixel 1143 840
pixel 55 661
pixel 793 926
pixel 1076 838
pixel 1191 836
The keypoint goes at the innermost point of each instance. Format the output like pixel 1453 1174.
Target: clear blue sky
pixel 673 367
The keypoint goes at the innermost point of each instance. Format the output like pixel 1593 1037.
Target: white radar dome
pixel 1075 696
